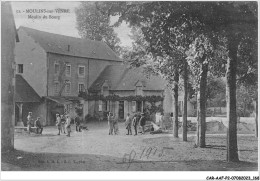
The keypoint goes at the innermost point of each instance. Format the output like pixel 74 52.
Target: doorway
pixel 121 110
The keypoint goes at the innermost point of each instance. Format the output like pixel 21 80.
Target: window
pixel 105 91
pixel 56 87
pixel 68 70
pixel 56 68
pixel 67 87
pixel 81 87
pixel 139 91
pixel 81 71
pixel 20 68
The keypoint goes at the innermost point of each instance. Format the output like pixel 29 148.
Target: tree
pixel 235 21
pixel 95 24
pixel 200 55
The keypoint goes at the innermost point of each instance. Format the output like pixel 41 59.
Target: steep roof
pixel 120 77
pixel 24 92
pixel 72 46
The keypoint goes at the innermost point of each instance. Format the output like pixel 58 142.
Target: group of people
pixel 136 121
pixel 63 124
pixel 36 123
pixel 112 123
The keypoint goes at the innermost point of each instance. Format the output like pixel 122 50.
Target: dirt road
pixel 96 150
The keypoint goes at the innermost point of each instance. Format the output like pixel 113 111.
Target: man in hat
pixel 29 122
pixel 38 126
pixel 58 123
pixel 110 123
pixel 135 124
pixel 78 123
pixel 142 122
pixel 63 121
pixel 128 124
pixel 68 120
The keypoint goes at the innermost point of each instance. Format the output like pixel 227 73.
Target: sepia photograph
pixel 125 86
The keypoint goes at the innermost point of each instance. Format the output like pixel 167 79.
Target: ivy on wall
pixel 89 97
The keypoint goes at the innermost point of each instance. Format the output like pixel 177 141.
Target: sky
pixel 59 23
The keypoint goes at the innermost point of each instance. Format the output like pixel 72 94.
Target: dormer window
pixel 105 88
pixel 139 88
pixel 139 91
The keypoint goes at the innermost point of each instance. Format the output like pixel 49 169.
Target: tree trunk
pixel 176 107
pixel 256 120
pixel 184 117
pixel 198 119
pixel 201 109
pixel 232 155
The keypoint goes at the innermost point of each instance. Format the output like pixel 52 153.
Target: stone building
pixel 57 67
pixel 122 81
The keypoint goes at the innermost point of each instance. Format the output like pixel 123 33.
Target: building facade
pixel 127 89
pixel 58 67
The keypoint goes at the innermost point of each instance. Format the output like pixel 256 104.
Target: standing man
pixel 38 126
pixel 68 120
pixel 110 123
pixel 58 123
pixel 78 126
pixel 135 124
pixel 29 122
pixel 128 124
pixel 63 121
pixel 142 122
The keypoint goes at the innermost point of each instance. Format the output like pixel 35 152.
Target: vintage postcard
pixel 129 86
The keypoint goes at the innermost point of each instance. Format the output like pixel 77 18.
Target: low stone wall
pixel 214 124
